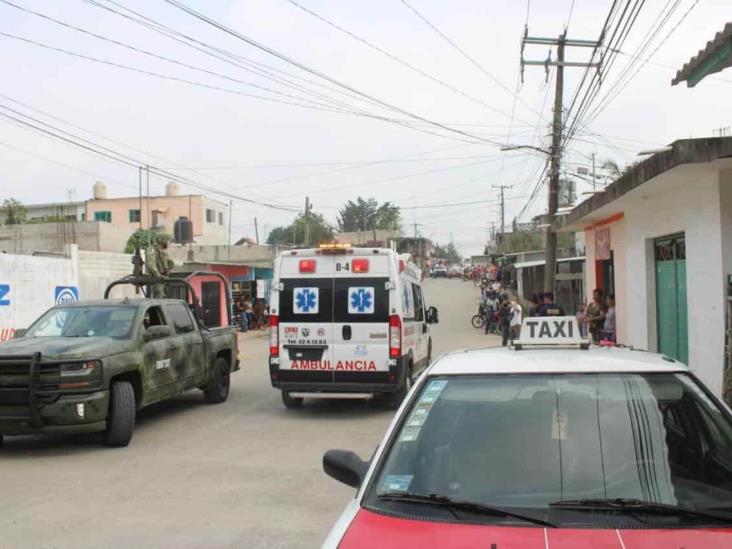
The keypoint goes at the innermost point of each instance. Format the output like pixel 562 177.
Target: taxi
pixel 550 443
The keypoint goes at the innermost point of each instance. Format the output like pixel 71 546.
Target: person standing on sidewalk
pixel 504 321
pixel 596 315
pixel 514 324
pixel 608 328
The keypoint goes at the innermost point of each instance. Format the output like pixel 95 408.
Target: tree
pixel 367 215
pixel 448 253
pixel 294 234
pixel 13 212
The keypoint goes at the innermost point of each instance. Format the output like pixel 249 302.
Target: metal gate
pixel 671 302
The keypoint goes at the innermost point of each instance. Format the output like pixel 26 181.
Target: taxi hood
pixel 64 348
pixel 369 529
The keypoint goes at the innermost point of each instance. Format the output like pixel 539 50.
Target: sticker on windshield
pixel 305 301
pixel 396 483
pixel 361 301
pixel 433 391
pixel 409 434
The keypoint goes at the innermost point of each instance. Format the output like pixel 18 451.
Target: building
pixel 715 57
pixel 52 212
pixel 375 237
pixel 660 239
pixel 209 218
pixel 31 238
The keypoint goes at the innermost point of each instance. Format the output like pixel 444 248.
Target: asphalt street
pixel 246 473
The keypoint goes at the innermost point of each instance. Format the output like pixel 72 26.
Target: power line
pixel 318 73
pixel 462 52
pixel 398 60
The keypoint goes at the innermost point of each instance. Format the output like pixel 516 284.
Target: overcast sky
pixel 262 148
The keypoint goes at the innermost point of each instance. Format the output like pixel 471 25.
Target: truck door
pixel 158 356
pixel 306 319
pixel 188 365
pixel 361 319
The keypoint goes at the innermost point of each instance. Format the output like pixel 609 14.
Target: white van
pixel 347 323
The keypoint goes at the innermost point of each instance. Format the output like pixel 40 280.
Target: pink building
pixel 210 218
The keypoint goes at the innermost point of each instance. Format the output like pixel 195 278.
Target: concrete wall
pixel 29 285
pixel 54 237
pixel 99 269
pixel 260 256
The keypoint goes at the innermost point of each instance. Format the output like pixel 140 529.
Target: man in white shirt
pixel 515 320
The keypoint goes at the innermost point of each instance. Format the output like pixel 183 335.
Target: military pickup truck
pixel 89 366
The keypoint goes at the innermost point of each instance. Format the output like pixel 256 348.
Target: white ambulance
pixel 347 323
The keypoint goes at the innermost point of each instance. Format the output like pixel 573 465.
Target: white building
pixel 660 239
pixel 55 211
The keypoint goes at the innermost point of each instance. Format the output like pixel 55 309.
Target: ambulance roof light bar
pixel 551 331
pixel 334 249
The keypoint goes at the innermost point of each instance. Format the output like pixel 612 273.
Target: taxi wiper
pixel 462 505
pixel 637 505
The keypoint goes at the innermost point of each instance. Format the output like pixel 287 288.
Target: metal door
pixel 211 303
pixel 671 301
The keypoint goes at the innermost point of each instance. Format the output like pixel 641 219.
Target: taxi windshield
pixel 115 322
pixel 540 441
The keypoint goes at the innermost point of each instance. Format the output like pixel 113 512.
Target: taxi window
pixel 361 299
pixel 526 441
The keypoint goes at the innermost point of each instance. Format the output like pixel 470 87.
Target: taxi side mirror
pixel 20 332
pixel 345 466
pixel 432 316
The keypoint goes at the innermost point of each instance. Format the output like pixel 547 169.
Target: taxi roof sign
pixel 551 331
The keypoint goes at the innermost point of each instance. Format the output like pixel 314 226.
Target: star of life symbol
pixel 360 301
pixel 305 301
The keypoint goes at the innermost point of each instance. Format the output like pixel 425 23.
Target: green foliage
pixel 13 212
pixel 448 253
pixel 366 215
pixel 294 234
pixel 142 238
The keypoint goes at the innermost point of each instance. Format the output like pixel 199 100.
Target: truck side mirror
pixel 345 466
pixel 432 316
pixel 156 332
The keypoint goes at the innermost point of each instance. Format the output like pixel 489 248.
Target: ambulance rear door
pixel 361 317
pixel 306 318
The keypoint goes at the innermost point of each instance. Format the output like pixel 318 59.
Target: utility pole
pixel 503 205
pixel 557 126
pixel 231 206
pixel 308 207
pixel 140 198
pixel 256 231
pixel 594 177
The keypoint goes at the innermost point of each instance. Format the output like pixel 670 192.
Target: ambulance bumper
pixel 327 381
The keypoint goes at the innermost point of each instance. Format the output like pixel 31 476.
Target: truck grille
pixel 26 382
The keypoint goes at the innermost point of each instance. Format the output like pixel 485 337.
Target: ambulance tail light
pixel 395 336
pixel 274 336
pixel 360 266
pixel 307 266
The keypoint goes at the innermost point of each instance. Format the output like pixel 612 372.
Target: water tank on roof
pixel 99 191
pixel 172 189
pixel 183 230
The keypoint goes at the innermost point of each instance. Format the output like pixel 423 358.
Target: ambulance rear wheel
pixel 291 402
pixel 395 399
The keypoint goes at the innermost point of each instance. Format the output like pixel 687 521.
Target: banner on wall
pixel 602 243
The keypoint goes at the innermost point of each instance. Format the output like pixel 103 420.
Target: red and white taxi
pixel 549 445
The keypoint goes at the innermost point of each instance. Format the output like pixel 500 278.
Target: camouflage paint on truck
pixel 53 381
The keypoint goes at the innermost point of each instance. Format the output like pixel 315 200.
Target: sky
pixel 436 102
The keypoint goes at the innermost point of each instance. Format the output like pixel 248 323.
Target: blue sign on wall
pixel 66 294
pixel 4 291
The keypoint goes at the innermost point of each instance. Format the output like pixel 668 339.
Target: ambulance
pixel 347 322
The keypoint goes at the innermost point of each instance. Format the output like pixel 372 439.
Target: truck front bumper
pixel 70 413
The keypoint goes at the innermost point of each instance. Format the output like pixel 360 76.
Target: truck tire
pixel 121 415
pixel 291 402
pixel 395 399
pixel 216 390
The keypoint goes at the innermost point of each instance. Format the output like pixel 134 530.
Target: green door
pixel 671 305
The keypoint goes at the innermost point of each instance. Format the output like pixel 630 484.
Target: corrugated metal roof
pixel 720 47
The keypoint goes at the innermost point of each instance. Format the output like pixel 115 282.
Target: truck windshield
pixel 547 442
pixel 113 322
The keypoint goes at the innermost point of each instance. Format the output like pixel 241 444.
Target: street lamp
pixel 531 147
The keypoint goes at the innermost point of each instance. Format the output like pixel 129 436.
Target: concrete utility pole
pixel 308 207
pixel 503 206
pixel 256 231
pixel 557 127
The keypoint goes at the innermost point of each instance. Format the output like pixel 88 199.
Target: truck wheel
pixel 216 390
pixel 395 399
pixel 291 402
pixel 121 416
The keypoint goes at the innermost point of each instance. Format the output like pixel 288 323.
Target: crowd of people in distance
pixel 252 316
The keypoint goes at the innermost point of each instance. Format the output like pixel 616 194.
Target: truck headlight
pixel 80 369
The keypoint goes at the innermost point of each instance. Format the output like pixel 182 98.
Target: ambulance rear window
pixel 361 300
pixel 306 300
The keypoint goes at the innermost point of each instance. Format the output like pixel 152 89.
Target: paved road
pixel 242 474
